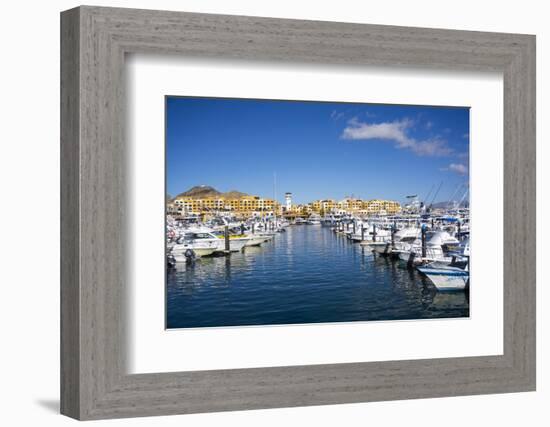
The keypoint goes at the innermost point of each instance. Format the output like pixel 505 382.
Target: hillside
pixel 234 194
pixel 201 191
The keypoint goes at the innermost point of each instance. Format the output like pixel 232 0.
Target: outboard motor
pixel 170 261
pixel 190 256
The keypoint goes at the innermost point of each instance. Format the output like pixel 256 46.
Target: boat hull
pixel 382 248
pixel 235 245
pixel 179 255
pixel 446 280
pixel 257 240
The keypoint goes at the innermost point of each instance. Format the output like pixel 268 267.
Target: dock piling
pixel 423 231
pixel 410 261
pixel 226 237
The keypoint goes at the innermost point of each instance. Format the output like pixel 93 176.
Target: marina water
pixel 306 275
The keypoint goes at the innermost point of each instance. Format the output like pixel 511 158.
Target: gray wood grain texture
pixel 94 380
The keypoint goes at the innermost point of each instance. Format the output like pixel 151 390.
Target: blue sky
pixel 317 150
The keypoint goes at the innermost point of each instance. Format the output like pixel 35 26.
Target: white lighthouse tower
pixel 288 201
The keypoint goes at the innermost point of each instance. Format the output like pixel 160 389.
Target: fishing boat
pixel 446 278
pixel 380 247
pixel 384 245
pixel 257 239
pixel 438 244
pixel 375 238
pixel 196 243
pixel 331 220
pixel 314 220
pixel 241 236
pixel 236 243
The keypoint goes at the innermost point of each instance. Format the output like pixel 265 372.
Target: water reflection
pixel 306 275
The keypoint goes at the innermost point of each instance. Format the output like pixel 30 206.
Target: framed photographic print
pixel 257 257
pixel 262 213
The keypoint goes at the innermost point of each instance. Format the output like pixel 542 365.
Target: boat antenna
pixel 428 195
pixel 464 196
pixel 436 193
pixel 455 192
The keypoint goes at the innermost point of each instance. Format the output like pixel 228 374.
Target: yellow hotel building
pixel 350 205
pixel 241 205
pixel 247 205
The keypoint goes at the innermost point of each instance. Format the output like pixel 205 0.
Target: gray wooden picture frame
pixel 94 381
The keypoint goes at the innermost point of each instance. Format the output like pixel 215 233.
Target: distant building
pixel 207 201
pixel 244 205
pixel 389 207
pixel 323 206
pixel 173 209
pixel 356 206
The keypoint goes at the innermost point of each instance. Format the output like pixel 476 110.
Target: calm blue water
pixel 306 275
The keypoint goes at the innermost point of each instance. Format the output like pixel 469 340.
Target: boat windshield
pixel 197 236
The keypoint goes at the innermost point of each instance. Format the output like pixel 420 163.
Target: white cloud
pixel 458 168
pixel 396 132
pixel 386 130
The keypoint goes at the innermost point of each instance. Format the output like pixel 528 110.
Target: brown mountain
pixel 234 194
pixel 201 191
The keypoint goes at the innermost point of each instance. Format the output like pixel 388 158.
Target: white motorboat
pixel 198 244
pixel 446 278
pixel 241 237
pixel 314 220
pixel 437 245
pixel 382 248
pixel 257 239
pixel 236 244
pixel 375 238
pixel 403 241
